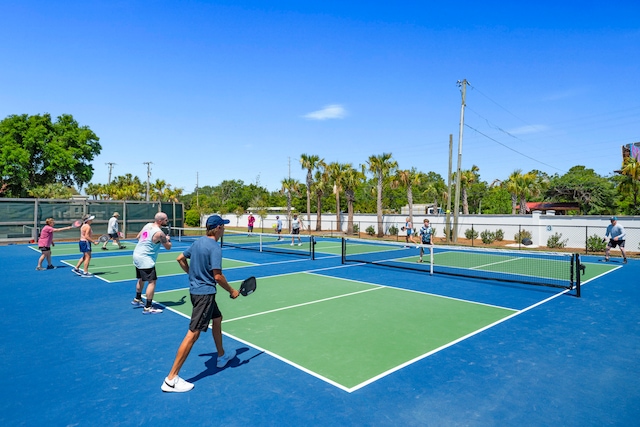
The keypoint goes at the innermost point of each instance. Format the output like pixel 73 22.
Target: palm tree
pixel 381 166
pixel 290 186
pixel 310 162
pixel 631 174
pixel 336 173
pixel 407 179
pixel 319 188
pixel 467 177
pixel 512 186
pixel 351 181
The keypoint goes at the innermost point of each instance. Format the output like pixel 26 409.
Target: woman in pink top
pixel 46 241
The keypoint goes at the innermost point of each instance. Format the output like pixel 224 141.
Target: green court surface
pixel 120 267
pixel 72 248
pixel 345 332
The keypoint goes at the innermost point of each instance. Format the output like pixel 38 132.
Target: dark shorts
pixel 146 274
pixel 84 246
pixel 424 242
pixel 44 248
pixel 295 231
pixel 205 309
pixel 614 243
pixel 113 235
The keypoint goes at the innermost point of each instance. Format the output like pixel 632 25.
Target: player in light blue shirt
pixel 425 233
pixel 617 235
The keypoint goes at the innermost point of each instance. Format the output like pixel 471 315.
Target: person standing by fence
pixel 617 235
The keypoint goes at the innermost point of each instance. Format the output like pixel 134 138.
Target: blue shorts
pixel 85 246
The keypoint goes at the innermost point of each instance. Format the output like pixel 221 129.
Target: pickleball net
pixel 262 242
pixel 554 269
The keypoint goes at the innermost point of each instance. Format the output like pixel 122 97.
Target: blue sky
pixel 240 89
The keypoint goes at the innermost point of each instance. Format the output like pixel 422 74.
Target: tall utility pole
pixel 463 84
pixel 447 227
pixel 197 191
pixel 111 165
pixel 148 177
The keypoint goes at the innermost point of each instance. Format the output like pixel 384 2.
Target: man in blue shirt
pixel 205 273
pixel 617 234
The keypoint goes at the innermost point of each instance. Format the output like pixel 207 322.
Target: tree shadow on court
pixel 212 369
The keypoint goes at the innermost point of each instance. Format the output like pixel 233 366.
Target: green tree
pixel 290 187
pixel 351 180
pixel 630 182
pixel 320 187
pixel 336 174
pixel 35 151
pixel 407 179
pixel 52 191
pixel 310 162
pixel 381 166
pixel 594 194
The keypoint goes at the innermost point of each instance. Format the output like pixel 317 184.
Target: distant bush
pixel 521 235
pixel 192 218
pixel 356 228
pixel 487 237
pixel 444 231
pixel 370 230
pixel 393 230
pixel 556 241
pixel 595 244
pixel 470 234
pixel 499 235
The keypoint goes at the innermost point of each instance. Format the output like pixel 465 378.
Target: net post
pixel 260 244
pixel 578 274
pixel 312 242
pixel 431 259
pixel 343 250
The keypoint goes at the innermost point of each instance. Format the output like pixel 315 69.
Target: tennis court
pixel 323 343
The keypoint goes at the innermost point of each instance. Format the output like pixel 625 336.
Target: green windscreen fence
pixel 22 219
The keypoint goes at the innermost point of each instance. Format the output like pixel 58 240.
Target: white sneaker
pixel 176 385
pixel 292 244
pixel 151 310
pixel 223 360
pixel 299 244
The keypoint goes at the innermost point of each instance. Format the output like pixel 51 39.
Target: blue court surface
pixel 319 344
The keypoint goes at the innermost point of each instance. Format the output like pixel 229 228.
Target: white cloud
pixel 525 130
pixel 334 111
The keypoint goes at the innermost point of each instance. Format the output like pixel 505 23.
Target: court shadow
pixel 212 369
pixel 181 301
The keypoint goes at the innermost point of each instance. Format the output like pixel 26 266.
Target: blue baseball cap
pixel 216 220
pixel 613 218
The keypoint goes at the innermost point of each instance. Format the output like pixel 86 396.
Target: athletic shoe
pixel 292 244
pixel 76 271
pixel 420 260
pixel 86 275
pixel 299 244
pixel 223 360
pixel 122 247
pixel 151 310
pixel 176 385
pixel 606 259
pixel 51 267
pixel 40 268
pixel 624 261
pixel 137 302
pixel 104 249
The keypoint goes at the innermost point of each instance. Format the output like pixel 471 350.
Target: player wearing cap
pixel 205 274
pixel 112 231
pixel 86 239
pixel 617 234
